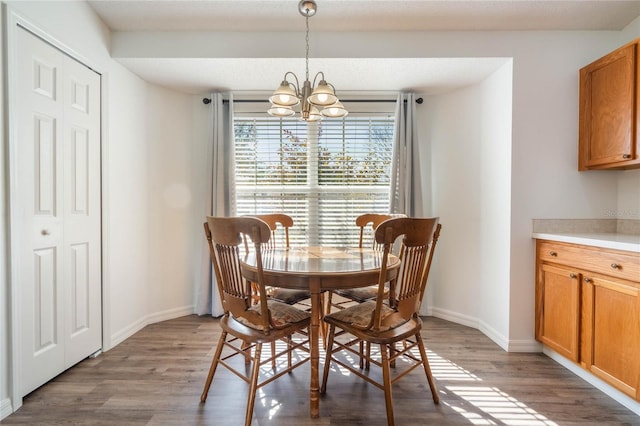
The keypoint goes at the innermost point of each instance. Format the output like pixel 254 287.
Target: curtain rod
pixel 207 101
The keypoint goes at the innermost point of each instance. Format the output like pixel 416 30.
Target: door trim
pixel 14 22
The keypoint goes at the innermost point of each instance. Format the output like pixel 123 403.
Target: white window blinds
pixel 322 174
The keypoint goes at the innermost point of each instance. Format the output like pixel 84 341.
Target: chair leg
pixel 214 365
pixel 368 357
pixel 253 385
pixel 247 354
pixel 392 352
pixel 361 350
pixel 273 355
pixel 289 346
pixel 327 359
pixel 386 377
pixel 427 369
pixel 323 325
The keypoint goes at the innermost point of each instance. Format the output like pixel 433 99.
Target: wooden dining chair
pixel 277 221
pixel 359 294
pixel 387 320
pixel 247 326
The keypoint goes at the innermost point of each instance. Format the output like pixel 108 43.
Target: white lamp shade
pixel 323 95
pixel 284 95
pixel 314 114
pixel 336 110
pixel 281 111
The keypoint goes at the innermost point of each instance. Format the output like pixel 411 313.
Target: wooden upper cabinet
pixel 609 97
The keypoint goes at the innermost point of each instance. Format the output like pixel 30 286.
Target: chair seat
pixel 289 296
pixel 361 294
pixel 282 315
pixel 360 316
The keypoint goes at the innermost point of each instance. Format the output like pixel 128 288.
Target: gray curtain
pixel 405 170
pixel 219 195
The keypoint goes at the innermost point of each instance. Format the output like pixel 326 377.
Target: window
pixel 322 174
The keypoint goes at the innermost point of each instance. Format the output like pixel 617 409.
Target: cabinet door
pixel 607 111
pixel 615 326
pixel 558 309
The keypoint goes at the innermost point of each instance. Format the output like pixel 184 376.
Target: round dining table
pixel 319 269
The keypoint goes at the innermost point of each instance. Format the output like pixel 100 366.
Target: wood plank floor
pixel 156 376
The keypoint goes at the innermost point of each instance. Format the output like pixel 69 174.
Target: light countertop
pixel 605 240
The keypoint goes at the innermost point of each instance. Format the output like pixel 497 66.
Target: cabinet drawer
pixel 619 264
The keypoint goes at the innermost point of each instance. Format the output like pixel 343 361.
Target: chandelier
pixel 317 102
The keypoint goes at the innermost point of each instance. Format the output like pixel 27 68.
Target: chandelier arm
pixel 316 77
pixel 296 85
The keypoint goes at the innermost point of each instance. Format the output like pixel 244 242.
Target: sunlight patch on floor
pixel 443 369
pixel 498 405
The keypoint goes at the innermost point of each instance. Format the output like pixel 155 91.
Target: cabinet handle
pixel 626 156
pixel 588 280
pixel 553 253
pixel 45 232
pixel 572 275
pixel 616 266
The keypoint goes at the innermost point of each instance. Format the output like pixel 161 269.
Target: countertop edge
pixel 613 241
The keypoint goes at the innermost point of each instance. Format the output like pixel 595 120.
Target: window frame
pixel 313 189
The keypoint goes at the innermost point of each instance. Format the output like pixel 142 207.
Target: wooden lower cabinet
pixel 558 324
pixel 588 317
pixel 615 324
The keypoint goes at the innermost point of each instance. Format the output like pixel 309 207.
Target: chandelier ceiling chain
pixel 306 54
pixel 316 101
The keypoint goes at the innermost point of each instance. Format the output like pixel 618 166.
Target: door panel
pixel 44 300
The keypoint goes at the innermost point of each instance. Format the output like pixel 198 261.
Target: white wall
pixel 5 401
pixel 469 132
pixel 495 195
pixel 629 181
pixel 171 201
pixel 146 160
pixel 628 195
pixel 128 201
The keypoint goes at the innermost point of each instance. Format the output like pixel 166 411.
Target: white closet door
pixel 57 186
pixel 81 224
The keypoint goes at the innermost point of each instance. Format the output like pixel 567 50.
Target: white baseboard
pixel 500 339
pixel 133 328
pixel 618 396
pixel 524 346
pixel 5 408
pixel 455 317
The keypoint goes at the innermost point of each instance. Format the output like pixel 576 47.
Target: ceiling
pixel 422 74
